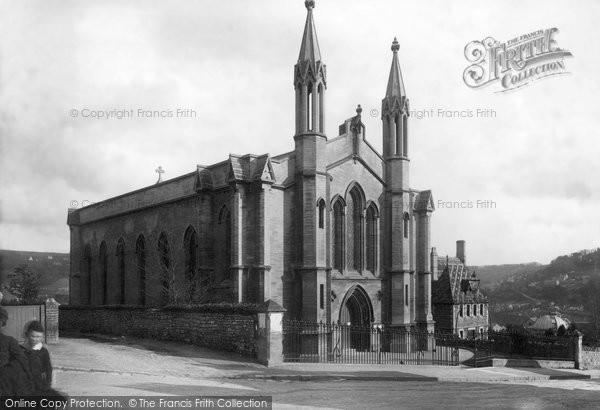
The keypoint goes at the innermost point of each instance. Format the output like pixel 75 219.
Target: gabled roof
pixel 204 178
pixel 453 284
pixel 251 168
pixel 424 201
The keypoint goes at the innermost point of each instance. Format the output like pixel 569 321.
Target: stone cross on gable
pixel 159 171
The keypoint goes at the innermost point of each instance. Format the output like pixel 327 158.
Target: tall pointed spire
pixel 395 112
pixel 309 51
pixel 395 87
pixel 310 80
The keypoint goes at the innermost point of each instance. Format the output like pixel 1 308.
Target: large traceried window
pixel 355 230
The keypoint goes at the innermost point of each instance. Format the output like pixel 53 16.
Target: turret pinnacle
pixel 309 51
pixel 395 87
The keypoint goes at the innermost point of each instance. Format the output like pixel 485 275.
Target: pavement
pixel 143 357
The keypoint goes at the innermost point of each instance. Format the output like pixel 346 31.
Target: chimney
pixel 460 251
pixel 434 264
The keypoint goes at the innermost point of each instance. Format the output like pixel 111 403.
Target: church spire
pixel 395 112
pixel 309 51
pixel 395 87
pixel 310 80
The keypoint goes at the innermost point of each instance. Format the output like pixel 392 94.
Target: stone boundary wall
pixel 590 358
pixel 232 328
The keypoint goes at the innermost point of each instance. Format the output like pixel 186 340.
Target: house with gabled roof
pixel 459 306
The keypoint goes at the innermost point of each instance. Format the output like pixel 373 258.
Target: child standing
pixel 38 357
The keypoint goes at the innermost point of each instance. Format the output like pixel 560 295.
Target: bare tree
pixel 24 284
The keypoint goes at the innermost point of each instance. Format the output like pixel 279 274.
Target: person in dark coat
pixel 15 377
pixel 38 357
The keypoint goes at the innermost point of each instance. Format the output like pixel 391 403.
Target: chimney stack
pixel 460 251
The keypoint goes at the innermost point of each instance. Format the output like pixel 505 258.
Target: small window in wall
pixel 322 296
pixel 460 311
pixel 406 295
pixel 481 309
pixel 474 310
pixel 406 221
pixel 461 334
pixel 321 214
pixel 468 310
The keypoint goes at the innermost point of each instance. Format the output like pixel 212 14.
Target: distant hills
pixel 54 268
pixel 523 291
pixel 569 285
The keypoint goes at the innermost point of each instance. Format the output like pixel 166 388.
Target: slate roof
pixel 453 284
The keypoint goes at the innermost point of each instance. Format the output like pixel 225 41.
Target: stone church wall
pixel 230 331
pixel 200 212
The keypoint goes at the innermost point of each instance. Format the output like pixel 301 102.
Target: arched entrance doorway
pixel 356 314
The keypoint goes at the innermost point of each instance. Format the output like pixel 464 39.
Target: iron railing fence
pixel 521 345
pixel 379 344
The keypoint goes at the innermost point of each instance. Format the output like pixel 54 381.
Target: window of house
pixel 460 311
pixel 406 295
pixel 481 309
pixel 461 333
pixel 468 310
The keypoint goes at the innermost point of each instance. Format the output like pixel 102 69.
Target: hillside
pixel 54 268
pixel 493 275
pixel 568 286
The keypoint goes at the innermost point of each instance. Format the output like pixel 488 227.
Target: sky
pixel 229 65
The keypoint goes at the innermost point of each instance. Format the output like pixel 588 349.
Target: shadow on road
pixel 204 357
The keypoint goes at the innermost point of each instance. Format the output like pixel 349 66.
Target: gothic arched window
pixel 225 229
pixel 140 252
pixel 406 224
pixel 121 269
pixel 321 205
pixel 339 242
pixel 85 295
pixel 102 261
pixel 372 234
pixel 166 266
pixel 190 246
pixel 355 230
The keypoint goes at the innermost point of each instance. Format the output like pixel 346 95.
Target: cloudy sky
pixel 536 157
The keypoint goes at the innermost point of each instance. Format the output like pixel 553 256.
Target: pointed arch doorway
pixel 356 313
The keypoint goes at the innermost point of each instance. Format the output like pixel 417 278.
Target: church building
pixel 332 230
